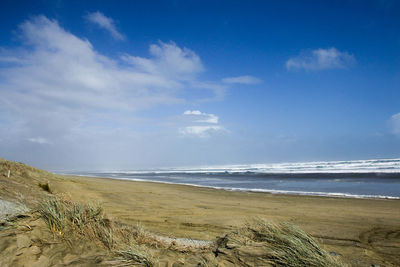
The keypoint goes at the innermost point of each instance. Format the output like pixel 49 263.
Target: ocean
pixel 376 178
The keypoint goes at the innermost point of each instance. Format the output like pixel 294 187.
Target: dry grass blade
pixel 138 256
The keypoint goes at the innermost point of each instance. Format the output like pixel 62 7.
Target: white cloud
pixel 321 59
pixel 202 131
pixel 168 59
pixel 395 123
pixel 208 118
pixel 56 83
pixel 39 140
pixel 106 23
pixel 57 86
pixel 245 79
pixel 200 124
pixel 192 112
pixel 61 71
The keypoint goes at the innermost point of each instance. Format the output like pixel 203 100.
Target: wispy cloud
pixel 202 131
pixel 205 117
pixel 39 140
pixel 193 112
pixel 245 79
pixel 395 123
pixel 200 124
pixel 105 23
pixel 168 59
pixel 321 59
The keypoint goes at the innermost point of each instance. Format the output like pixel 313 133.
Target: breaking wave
pixel 377 178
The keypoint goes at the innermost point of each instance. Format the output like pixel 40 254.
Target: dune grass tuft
pixel 53 212
pixel 63 215
pixel 285 244
pixel 70 219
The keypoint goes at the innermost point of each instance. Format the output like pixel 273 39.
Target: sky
pixel 107 85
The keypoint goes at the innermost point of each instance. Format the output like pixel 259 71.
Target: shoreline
pixel 255 190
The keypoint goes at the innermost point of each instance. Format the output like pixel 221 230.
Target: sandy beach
pixel 359 232
pixel 362 231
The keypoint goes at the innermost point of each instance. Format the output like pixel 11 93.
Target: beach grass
pixel 63 215
pixel 53 212
pixel 135 254
pixel 283 244
pixel 69 219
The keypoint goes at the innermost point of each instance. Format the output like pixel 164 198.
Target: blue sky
pixel 141 84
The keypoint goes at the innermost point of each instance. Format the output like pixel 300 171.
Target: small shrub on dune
pixel 45 187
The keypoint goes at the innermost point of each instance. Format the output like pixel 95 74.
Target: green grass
pixel 53 213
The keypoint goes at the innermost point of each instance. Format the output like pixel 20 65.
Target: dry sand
pixel 362 231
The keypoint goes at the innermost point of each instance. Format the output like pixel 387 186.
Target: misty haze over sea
pixel 377 178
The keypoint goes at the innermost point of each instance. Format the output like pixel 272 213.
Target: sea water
pixel 377 178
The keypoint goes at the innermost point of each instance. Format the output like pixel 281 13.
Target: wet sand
pixel 362 231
